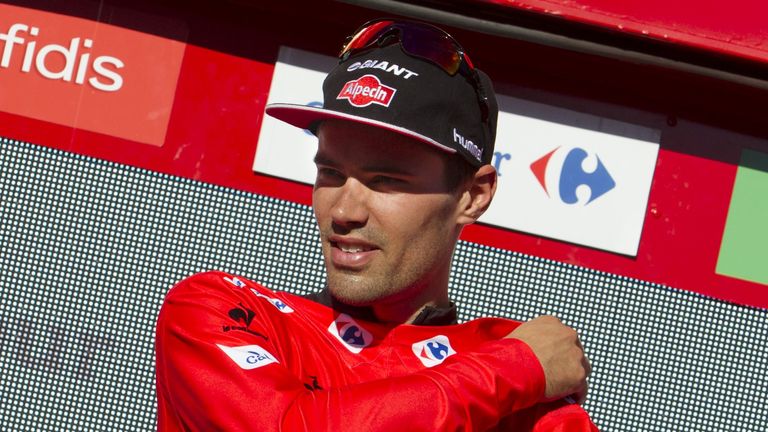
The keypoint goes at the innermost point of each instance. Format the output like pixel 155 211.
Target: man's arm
pixel 200 387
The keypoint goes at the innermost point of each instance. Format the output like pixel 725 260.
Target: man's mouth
pixel 347 248
pixel 353 254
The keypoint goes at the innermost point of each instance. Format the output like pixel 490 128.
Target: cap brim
pixel 307 117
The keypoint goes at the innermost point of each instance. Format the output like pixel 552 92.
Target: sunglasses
pixel 420 40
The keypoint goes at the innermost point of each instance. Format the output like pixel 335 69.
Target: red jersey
pixel 232 355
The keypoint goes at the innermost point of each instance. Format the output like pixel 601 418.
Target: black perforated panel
pixel 88 248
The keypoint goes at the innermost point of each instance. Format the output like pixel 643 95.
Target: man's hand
pixel 561 355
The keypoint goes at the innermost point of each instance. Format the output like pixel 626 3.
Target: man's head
pixel 405 141
pixel 390 213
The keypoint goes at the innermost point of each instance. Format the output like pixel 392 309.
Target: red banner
pixel 735 28
pixel 88 75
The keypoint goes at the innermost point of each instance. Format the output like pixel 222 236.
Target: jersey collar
pixel 429 316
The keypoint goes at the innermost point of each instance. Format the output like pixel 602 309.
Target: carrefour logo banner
pixel 572 176
pixel 565 175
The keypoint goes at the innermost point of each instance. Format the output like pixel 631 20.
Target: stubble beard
pixel 381 282
pixel 356 290
pixel 360 287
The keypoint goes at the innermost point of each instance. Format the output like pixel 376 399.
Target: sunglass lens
pixel 416 39
pixel 367 35
pixel 432 45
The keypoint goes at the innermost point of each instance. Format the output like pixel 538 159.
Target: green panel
pixel 744 250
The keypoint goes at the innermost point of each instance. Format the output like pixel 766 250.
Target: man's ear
pixel 477 195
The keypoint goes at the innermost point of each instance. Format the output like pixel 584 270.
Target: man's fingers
pixel 587 365
pixel 560 353
pixel 581 395
pixel 584 360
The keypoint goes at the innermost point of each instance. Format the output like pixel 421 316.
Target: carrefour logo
pixel 350 333
pixel 562 180
pixel 433 351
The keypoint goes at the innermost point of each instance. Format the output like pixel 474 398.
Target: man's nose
pixel 350 210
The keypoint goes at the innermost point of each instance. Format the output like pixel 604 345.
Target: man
pixel 405 139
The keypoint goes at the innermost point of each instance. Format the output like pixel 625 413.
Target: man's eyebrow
pixel 324 160
pixel 388 169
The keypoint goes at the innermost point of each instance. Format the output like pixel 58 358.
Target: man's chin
pixel 352 297
pixel 355 290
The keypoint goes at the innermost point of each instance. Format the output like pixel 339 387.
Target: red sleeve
pixel 557 416
pixel 200 388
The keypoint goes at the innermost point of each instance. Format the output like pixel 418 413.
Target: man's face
pixel 387 218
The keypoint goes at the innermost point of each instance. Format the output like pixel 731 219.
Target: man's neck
pixel 437 313
pixel 397 313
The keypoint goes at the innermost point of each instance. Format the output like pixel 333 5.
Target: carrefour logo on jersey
pixel 433 351
pixel 585 184
pixel 347 331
